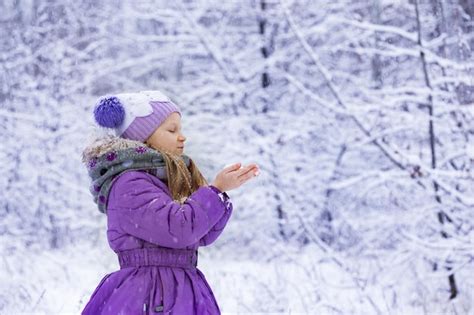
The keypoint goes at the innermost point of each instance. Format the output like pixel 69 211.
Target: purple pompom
pixel 109 112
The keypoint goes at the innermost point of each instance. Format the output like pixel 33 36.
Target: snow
pixel 292 283
pixel 364 200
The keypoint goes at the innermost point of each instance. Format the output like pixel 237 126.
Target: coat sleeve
pixel 145 210
pixel 217 229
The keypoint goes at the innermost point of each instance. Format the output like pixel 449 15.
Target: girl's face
pixel 168 136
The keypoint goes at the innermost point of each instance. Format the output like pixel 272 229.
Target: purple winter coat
pixel 142 214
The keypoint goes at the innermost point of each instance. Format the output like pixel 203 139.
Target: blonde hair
pixel 182 180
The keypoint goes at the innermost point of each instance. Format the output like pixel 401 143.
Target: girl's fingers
pixel 253 165
pixel 239 169
pixel 245 179
pixel 252 172
pixel 246 170
pixel 232 167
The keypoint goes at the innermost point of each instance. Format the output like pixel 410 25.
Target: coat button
pixel 159 308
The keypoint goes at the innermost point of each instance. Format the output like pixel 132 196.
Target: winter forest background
pixel 359 113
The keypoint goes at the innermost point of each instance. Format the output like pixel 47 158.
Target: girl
pixel 159 208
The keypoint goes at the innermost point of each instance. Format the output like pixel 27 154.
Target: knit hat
pixel 134 116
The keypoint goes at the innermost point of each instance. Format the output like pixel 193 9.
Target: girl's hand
pixel 234 176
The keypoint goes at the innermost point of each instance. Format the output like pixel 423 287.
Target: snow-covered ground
pixel 308 282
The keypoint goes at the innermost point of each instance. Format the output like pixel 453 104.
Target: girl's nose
pixel 182 138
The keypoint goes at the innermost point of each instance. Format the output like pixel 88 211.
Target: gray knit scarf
pixel 104 168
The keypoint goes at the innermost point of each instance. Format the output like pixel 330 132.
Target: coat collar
pixel 103 144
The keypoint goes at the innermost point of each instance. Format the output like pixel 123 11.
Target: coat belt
pixel 158 256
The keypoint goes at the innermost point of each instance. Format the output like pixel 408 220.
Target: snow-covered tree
pixel 359 114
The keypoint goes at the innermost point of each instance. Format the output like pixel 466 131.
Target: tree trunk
pixel 265 49
pixel 376 62
pixel 442 216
